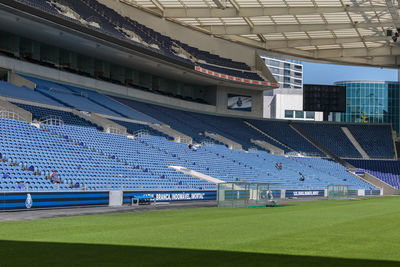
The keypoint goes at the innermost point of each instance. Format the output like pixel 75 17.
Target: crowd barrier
pixel 40 200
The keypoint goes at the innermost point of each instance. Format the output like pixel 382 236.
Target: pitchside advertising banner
pixel 239 102
pixel 36 200
pixel 167 196
pixel 304 193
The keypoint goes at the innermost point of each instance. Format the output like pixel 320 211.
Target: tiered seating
pixel 40 113
pixel 99 17
pixel 281 131
pixel 376 140
pixel 134 128
pixel 69 98
pixel 112 105
pixel 195 124
pixel 259 167
pixel 26 146
pixel 386 170
pixel 136 154
pixel 103 161
pixel 24 93
pixel 331 137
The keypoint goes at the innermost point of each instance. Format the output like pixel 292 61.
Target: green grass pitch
pixel 315 233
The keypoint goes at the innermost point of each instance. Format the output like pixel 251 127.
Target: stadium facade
pixel 371 102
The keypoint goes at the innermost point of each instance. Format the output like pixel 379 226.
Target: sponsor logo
pixel 28 201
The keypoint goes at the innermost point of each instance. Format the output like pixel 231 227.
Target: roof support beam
pixel 265 29
pixel 357 52
pixel 205 12
pixel 321 41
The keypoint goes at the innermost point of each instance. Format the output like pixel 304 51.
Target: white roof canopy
pixel 346 31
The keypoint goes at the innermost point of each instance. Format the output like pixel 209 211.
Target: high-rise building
pixel 286 102
pixel 288 73
pixel 371 102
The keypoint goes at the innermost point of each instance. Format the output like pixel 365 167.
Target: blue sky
pixel 316 73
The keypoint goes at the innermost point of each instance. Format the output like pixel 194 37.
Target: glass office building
pixel 371 102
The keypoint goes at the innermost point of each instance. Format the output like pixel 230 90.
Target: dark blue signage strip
pixel 305 193
pixel 166 196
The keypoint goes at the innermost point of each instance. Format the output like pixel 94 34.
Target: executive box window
pixel 299 114
pixel 288 113
pixel 310 115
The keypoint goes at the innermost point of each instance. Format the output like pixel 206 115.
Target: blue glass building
pixel 371 102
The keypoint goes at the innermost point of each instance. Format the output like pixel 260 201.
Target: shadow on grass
pixel 15 253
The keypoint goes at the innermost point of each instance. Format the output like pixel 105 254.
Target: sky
pixel 316 73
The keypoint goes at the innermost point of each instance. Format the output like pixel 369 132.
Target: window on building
pixel 286 66
pixel 299 114
pixel 298 74
pixel 286 79
pixel 310 115
pixel 298 67
pixel 297 87
pixel 285 85
pixel 286 72
pixel 288 113
pixel 297 81
pixel 274 62
pixel 274 70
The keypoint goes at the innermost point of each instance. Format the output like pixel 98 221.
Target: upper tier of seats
pixel 376 140
pixel 331 137
pixel 386 170
pixel 25 93
pixel 57 94
pixel 103 161
pixel 94 15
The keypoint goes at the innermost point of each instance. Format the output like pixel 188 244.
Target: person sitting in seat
pixel 76 185
pixel 21 184
pixel 301 179
pixel 55 177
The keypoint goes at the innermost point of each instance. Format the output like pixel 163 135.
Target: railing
pixel 141 133
pixel 52 120
pixel 7 114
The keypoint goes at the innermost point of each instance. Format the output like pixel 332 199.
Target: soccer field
pixel 316 233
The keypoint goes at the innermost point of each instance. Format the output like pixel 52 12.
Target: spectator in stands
pixel 278 166
pixel 6 175
pixel 76 185
pixel 55 177
pixel 301 179
pixel 31 168
pixel 21 184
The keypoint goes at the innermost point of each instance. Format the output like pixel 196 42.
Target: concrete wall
pixel 257 101
pixel 194 38
pixel 290 99
pixel 24 67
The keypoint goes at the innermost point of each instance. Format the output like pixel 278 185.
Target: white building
pixel 286 102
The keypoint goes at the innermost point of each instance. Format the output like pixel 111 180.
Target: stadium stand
pixel 281 131
pixel 96 16
pixel 101 161
pixel 135 128
pixel 331 137
pixel 376 140
pixel 195 124
pixel 25 93
pixel 26 146
pixel 40 114
pixel 386 170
